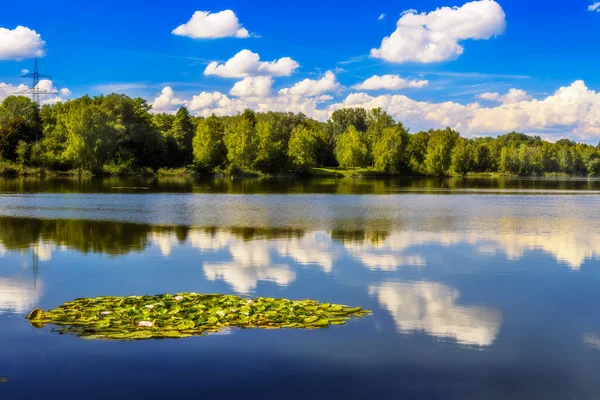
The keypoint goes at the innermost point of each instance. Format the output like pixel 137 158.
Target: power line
pixel 36 91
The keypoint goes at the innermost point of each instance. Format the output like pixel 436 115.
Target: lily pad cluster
pixel 186 314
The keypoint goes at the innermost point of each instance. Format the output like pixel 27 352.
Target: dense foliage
pixel 116 134
pixel 186 314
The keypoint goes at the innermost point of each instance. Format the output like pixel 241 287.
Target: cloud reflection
pixel 375 250
pixel 18 296
pixel 432 308
pixel 251 263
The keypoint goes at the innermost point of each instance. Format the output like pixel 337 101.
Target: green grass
pixel 338 172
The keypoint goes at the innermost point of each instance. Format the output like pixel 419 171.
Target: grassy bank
pixel 15 169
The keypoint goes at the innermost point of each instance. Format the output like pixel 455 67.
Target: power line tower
pixel 36 91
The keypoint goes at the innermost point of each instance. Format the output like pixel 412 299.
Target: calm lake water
pixel 479 288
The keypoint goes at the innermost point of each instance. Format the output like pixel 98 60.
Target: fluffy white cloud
pixel 489 96
pixel 45 84
pixel 208 100
pixel 594 7
pixel 20 43
pixel 435 36
pixel 381 16
pixel 259 86
pixel 166 101
pixel 61 94
pixel 8 89
pixel 312 87
pixel 204 25
pixel 513 96
pixel 246 63
pixel 572 111
pixel 390 82
pixel 414 114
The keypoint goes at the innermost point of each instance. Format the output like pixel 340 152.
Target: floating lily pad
pixel 186 314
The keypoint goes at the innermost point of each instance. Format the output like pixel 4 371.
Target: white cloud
pixel 489 96
pixel 435 36
pixel 46 84
pixel 20 43
pixel 204 25
pixel 259 86
pixel 594 7
pixel 381 16
pixel 246 63
pixel 166 101
pixel 414 114
pixel 390 82
pixel 24 71
pixel 433 308
pixel 513 96
pixel 208 100
pixel 572 111
pixel 311 87
pixel 7 89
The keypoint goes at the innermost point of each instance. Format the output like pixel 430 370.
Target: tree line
pixel 116 134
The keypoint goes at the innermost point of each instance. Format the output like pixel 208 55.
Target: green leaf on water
pixel 186 314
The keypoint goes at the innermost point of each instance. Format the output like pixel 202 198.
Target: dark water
pixel 479 288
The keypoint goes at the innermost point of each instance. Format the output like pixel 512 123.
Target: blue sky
pixel 532 46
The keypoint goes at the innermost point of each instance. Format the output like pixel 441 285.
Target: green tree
pixel 566 163
pixel 462 157
pixel 417 150
pixel 209 149
pixel 509 160
pixel 389 149
pixel 352 148
pixel 439 151
pixel 182 133
pixel 273 131
pixel 344 118
pixel 482 156
pixel 20 107
pixel 12 131
pixel 91 140
pixel 303 146
pixel 241 142
pixel 23 152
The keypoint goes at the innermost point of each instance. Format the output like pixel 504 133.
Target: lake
pixel 479 288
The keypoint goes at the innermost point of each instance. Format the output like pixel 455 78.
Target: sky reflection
pixel 433 308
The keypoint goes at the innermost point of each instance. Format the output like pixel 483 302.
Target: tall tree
pixel 303 148
pixel 209 149
pixel 352 148
pixel 91 140
pixel 389 149
pixel 417 149
pixel 183 132
pixel 241 141
pixel 439 151
pixel 462 157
